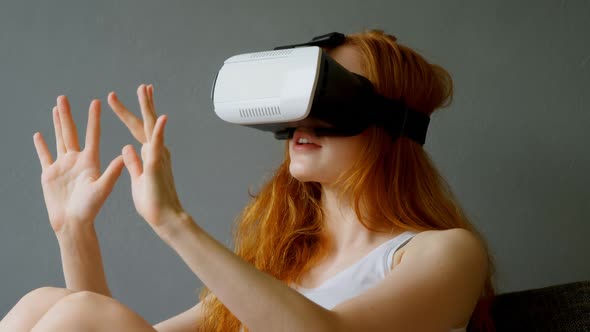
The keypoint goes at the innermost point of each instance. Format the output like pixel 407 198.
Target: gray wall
pixel 513 145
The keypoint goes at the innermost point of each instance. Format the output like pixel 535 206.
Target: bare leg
pixel 31 307
pixel 88 311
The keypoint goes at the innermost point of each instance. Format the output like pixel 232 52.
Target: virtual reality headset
pixel 300 85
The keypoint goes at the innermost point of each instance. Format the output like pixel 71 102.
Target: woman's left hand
pixel 152 184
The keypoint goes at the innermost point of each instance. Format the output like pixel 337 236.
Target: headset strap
pixel 331 39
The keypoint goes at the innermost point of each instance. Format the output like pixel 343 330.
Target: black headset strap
pixel 400 120
pixel 331 39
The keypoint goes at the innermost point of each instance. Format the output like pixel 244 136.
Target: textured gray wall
pixel 513 145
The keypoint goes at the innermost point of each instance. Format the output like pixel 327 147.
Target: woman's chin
pixel 302 177
pixel 300 173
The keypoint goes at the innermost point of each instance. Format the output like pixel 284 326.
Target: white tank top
pixel 362 275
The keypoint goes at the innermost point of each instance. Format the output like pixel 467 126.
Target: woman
pixel 350 234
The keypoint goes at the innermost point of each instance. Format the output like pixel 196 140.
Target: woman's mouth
pixel 304 141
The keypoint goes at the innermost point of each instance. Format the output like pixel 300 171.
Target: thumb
pixel 112 173
pixel 132 161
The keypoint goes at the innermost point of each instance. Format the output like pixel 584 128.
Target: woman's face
pixel 323 159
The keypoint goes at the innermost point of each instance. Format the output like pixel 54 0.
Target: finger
pixel 150 93
pixel 93 129
pixel 111 174
pixel 158 135
pixel 148 117
pixel 132 161
pixel 133 123
pixel 59 141
pixel 42 151
pixel 151 99
pixel 70 134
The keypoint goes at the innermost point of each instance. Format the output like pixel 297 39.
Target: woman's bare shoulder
pixel 457 242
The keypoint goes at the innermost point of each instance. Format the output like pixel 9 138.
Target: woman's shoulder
pixel 444 270
pixel 451 245
pixel 453 235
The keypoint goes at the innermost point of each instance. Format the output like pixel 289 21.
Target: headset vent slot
pixel 271 54
pixel 258 112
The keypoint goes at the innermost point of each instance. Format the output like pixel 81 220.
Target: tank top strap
pixel 400 241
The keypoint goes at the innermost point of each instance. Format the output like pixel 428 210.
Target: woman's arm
pixel 74 190
pixel 81 260
pixel 260 301
pixel 187 321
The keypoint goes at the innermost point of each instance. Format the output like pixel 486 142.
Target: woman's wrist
pixel 75 231
pixel 176 224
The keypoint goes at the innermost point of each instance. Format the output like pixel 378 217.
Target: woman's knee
pixel 41 299
pixel 86 301
pixel 84 309
pixel 73 310
pixel 31 307
pixel 45 294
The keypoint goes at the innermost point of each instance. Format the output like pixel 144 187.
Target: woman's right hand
pixel 73 187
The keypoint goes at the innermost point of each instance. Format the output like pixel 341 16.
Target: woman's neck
pixel 342 226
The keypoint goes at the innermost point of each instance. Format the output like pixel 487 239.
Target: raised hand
pixel 73 187
pixel 152 183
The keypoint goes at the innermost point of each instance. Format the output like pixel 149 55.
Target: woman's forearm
pixel 258 300
pixel 81 260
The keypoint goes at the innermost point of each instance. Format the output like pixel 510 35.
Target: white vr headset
pixel 301 86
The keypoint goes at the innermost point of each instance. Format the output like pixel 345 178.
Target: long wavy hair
pixel 394 184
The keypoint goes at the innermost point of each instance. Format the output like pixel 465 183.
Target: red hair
pixel 393 185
